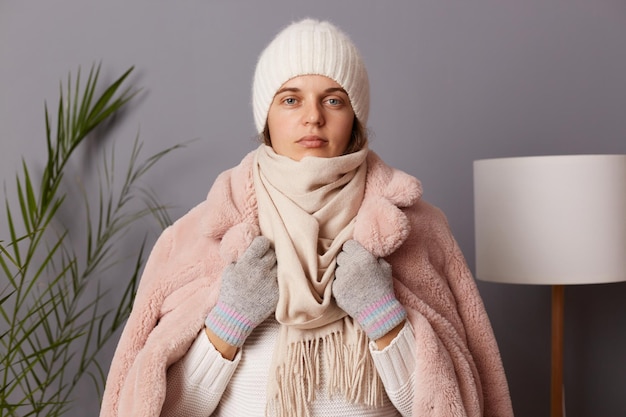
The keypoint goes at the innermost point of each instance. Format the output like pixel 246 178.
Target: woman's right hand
pixel 248 295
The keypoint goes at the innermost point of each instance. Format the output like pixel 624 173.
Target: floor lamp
pixel 551 220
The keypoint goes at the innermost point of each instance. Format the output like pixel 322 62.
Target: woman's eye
pixel 334 101
pixel 289 101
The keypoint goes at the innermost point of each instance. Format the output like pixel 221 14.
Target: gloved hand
pixel 248 295
pixel 363 288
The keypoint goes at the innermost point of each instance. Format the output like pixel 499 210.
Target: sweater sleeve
pixel 196 382
pixel 396 367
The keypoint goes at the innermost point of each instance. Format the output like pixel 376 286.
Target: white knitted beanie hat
pixel 304 48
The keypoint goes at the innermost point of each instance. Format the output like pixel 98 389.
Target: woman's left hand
pixel 363 288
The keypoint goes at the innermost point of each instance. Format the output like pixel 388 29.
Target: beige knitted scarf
pixel 307 209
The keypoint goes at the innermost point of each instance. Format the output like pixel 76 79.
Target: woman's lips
pixel 312 142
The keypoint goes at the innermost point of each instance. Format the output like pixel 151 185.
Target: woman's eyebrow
pixel 335 89
pixel 287 89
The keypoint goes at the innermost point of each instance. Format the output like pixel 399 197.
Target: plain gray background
pixel 451 81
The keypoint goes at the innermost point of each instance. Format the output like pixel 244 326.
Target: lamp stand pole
pixel 556 397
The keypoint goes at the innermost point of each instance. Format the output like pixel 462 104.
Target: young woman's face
pixel 310 115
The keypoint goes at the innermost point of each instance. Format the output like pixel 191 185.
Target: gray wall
pixel 452 81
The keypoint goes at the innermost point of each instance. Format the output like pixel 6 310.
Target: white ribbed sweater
pixel 204 384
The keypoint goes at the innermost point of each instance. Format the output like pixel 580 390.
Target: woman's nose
pixel 313 114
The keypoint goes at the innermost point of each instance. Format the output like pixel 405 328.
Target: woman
pixel 313 280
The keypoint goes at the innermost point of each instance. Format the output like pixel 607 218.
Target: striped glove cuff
pixel 228 325
pixel 381 317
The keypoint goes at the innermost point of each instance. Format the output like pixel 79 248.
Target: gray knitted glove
pixel 248 295
pixel 363 288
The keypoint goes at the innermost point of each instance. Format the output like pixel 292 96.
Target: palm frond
pixel 52 327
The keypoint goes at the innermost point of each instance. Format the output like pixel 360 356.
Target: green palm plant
pixel 52 321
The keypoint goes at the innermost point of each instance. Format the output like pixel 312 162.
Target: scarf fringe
pixel 350 372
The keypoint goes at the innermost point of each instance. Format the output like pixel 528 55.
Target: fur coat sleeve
pixel 459 371
pixel 178 287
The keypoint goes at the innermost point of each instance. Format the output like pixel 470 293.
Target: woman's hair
pixel 358 137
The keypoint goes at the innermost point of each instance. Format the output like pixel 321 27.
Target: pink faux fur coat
pixel 459 371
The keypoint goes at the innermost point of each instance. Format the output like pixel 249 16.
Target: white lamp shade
pixel 551 219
